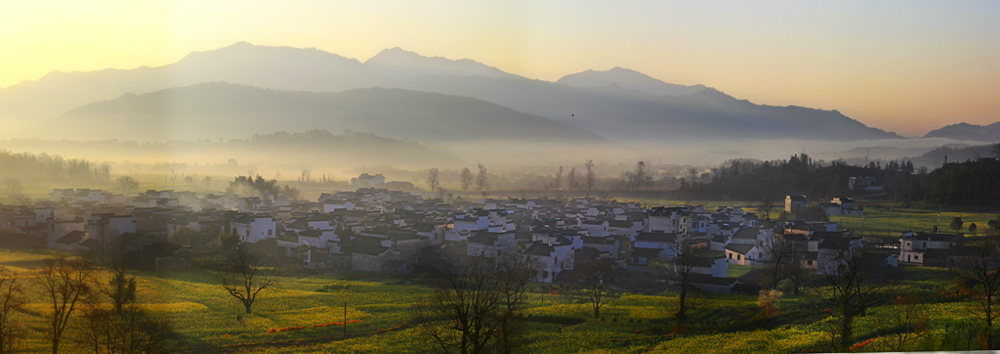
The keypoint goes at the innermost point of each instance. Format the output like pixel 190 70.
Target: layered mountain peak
pixel 627 78
pixel 968 132
pixel 244 52
pixel 402 64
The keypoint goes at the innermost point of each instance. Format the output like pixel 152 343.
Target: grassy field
pixel 207 320
pixel 881 220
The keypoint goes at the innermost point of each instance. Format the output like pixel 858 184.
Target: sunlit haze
pixel 907 67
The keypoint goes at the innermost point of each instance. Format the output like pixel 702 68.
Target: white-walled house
pixel 744 254
pixel 367 181
pixel 491 244
pixel 552 258
pixel 464 223
pixel 70 242
pixel 716 267
pixel 58 229
pixel 665 242
pixel 669 220
pixel 926 249
pixel 106 228
pixel 832 249
pixel 794 202
pixel 254 228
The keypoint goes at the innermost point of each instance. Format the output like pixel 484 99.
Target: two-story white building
pixel 925 249
pixel 669 220
pixel 551 257
pixel 254 228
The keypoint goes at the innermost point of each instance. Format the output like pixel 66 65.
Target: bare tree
pixel 638 178
pixel 244 277
pixel 478 299
pixel 979 268
pixel 466 178
pixel 127 184
pixel 125 327
pixel 11 298
pixel 65 282
pixel 794 274
pixel 679 268
pixel 208 181
pixel 306 176
pixel 102 173
pixel 13 186
pixel 857 281
pixel 594 278
pixel 589 179
pixel 558 178
pixel 571 181
pixel 766 206
pixel 432 178
pixel 514 272
pixel 781 252
pixel 482 179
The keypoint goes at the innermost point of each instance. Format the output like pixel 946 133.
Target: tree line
pixel 585 180
pixel 44 167
pixel 969 183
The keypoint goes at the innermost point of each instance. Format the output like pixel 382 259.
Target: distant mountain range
pixel 619 104
pixel 966 131
pixel 214 110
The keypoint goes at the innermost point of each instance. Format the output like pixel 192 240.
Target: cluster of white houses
pixel 378 230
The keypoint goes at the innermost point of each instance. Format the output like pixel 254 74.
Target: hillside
pixel 968 132
pixel 629 79
pixel 222 110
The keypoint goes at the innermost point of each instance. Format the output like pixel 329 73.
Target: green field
pixel 207 320
pixel 886 220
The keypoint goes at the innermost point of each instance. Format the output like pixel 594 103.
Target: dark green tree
pixel 956 224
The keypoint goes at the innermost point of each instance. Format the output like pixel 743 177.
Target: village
pixel 374 229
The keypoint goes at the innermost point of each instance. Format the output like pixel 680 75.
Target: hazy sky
pixel 905 66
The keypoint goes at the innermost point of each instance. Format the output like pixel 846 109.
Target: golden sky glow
pixel 903 66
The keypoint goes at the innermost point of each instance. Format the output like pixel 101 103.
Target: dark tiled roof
pixel 71 238
pixel 402 235
pixel 746 233
pixel 539 249
pixel 624 224
pixel 646 252
pixel 370 250
pixel 662 211
pixel 656 237
pixel 739 248
pixel 484 238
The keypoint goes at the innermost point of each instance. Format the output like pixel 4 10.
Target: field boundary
pixel 251 347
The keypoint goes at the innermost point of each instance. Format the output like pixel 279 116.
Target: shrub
pixel 768 300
